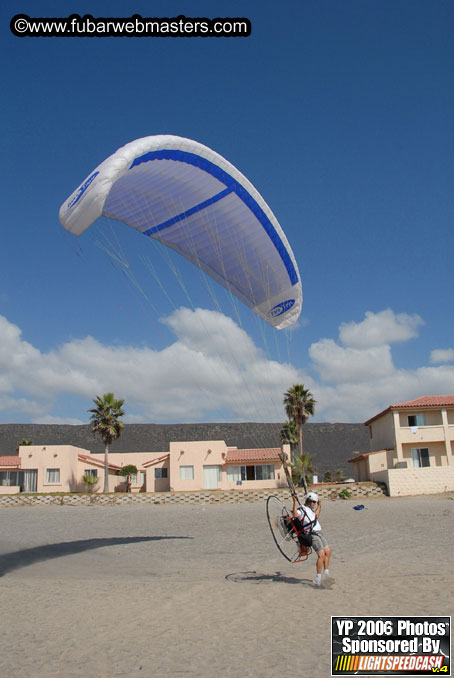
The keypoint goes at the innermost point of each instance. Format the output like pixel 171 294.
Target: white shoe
pixel 317 582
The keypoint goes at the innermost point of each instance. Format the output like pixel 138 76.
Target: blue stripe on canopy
pixel 197 208
pixel 233 186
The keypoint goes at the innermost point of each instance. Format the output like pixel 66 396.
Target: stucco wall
pixel 437 453
pixel 373 463
pixel 74 462
pixel 421 435
pixel 195 454
pixel 137 459
pixel 431 417
pixel 66 458
pixel 382 432
pixel 63 457
pixel 361 470
pixel 212 453
pixel 9 489
pixel 382 460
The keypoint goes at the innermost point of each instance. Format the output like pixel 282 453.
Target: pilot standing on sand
pixel 309 516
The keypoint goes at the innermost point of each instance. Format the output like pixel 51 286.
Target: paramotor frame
pixel 285 531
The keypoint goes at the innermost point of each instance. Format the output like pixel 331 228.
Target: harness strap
pixel 309 527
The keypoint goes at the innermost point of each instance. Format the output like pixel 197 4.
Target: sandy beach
pixel 202 590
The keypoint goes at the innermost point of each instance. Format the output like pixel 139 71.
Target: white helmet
pixel 312 496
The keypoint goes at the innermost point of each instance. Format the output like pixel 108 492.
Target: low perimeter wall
pixel 404 482
pixel 326 491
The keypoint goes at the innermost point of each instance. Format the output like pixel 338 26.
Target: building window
pixel 162 472
pixel 91 472
pixel 420 456
pixel 186 473
pixel 10 478
pixel 416 420
pixel 233 473
pixel 133 478
pixel 264 472
pixel 52 475
pixel 248 472
pixel 257 472
pixel 143 477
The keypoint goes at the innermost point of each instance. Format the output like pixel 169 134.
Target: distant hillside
pixel 330 444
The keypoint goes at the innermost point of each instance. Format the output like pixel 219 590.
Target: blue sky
pixel 340 113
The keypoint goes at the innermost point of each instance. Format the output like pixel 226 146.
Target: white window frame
pixel 267 471
pixel 91 472
pixel 53 476
pixel 240 472
pixel 187 473
pixel 233 474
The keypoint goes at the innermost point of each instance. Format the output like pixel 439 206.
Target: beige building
pixel 187 466
pixel 412 447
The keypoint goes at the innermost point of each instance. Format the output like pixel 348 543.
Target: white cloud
pixel 356 402
pixel 442 355
pixel 302 321
pixel 23 406
pixel 213 366
pixel 214 371
pixel 378 329
pixel 341 364
pixel 58 420
pixel 212 334
pixel 359 378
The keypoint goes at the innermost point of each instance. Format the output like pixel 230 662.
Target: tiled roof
pixel 10 460
pixel 151 462
pixel 428 401
pixel 266 455
pixel 96 462
pixel 424 402
pixel 357 457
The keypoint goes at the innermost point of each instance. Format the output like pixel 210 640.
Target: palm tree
pixel 23 443
pixel 128 471
pixel 289 435
pixel 106 421
pixel 302 466
pixel 89 481
pixel 299 405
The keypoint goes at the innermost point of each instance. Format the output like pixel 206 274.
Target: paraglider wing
pixel 193 200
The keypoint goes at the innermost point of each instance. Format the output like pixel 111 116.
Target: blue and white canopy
pixel 193 200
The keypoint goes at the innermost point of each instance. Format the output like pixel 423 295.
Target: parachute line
pixel 233 186
pixel 195 202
